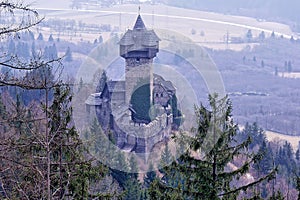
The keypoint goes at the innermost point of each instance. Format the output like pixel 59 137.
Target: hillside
pixel 275 110
pixel 206 28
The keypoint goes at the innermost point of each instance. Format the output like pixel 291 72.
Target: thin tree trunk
pixel 48 150
pixel 60 168
pixel 214 175
pixel 214 170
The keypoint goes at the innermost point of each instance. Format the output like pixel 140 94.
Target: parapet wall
pixel 147 135
pixel 147 130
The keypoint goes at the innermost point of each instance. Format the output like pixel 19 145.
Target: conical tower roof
pixel 139 39
pixel 139 24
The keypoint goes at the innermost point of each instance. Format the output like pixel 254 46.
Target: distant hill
pixel 270 9
pixel 274 10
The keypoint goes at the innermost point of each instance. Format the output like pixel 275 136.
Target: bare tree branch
pixel 12 8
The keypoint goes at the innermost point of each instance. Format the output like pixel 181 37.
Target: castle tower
pixel 138 47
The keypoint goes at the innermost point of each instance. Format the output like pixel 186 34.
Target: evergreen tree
pixel 150 176
pixel 166 157
pixel 177 115
pixel 264 165
pixel 100 39
pixel 132 185
pixel 50 39
pixel 254 132
pixel 285 159
pixel 95 41
pixel 120 171
pixel 262 63
pixel 132 189
pixel 262 36
pixel 249 35
pixel 297 155
pixel 102 82
pixel 273 34
pixel 50 52
pixel 202 168
pixel 40 37
pixel 298 185
pixel 80 86
pixel 53 52
pixel 68 55
pixel 2 109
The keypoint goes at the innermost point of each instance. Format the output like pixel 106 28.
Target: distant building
pixel 139 110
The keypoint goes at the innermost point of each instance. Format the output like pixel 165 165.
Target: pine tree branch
pixel 32 65
pixel 245 187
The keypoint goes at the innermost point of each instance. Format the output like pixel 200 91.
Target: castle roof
pixel 139 24
pixel 159 80
pixel 116 86
pixel 94 99
pixel 140 37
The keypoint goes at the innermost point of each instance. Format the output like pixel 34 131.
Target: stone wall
pixel 138 73
pixel 141 137
pixel 146 136
pixel 160 95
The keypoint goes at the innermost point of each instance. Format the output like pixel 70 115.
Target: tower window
pixel 137 59
pixel 156 94
pixel 161 95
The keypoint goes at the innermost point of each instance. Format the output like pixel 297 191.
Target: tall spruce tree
pixel 68 55
pixel 132 184
pixel 211 150
pixel 298 185
pixel 150 176
pixel 297 155
pixel 266 163
pixel 166 156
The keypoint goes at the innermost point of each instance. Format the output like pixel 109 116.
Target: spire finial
pixel 139 10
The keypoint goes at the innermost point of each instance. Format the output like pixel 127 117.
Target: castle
pixel 140 111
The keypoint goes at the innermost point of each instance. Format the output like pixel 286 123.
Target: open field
pixel 294 140
pixel 210 29
pixel 290 75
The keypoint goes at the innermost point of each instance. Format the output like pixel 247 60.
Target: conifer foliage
pixel 204 168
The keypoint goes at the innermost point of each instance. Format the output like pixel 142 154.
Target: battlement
pixel 142 130
pixel 144 136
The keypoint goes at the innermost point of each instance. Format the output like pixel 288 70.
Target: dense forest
pixel 44 156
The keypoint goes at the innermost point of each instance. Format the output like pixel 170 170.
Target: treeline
pixel 24 48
